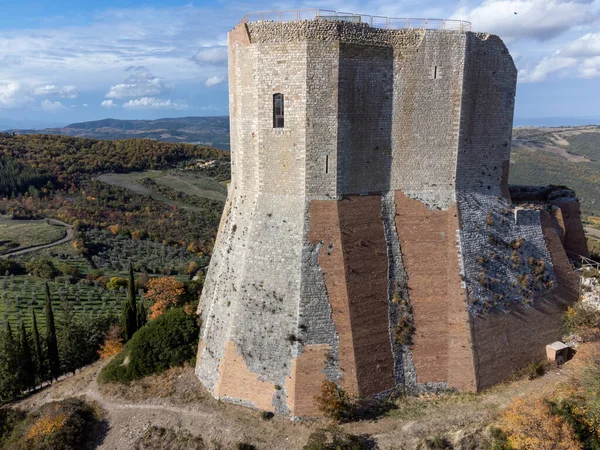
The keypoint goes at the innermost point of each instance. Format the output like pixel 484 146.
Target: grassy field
pixel 177 180
pixel 27 234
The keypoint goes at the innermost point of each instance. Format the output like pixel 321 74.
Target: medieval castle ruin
pixel 370 236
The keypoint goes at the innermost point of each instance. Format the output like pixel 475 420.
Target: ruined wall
pixel 504 343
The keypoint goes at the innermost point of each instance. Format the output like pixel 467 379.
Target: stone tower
pixel 369 236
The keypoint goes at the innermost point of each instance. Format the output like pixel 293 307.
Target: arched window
pixel 277 110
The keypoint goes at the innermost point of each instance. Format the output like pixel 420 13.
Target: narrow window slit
pixel 326 164
pixel 278 111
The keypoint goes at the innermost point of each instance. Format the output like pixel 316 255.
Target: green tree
pixel 27 372
pixel 129 319
pixel 51 342
pixel 9 366
pixel 39 353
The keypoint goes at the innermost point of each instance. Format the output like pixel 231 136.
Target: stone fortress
pixel 370 237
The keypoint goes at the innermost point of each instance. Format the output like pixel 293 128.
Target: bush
pixel 168 341
pixel 334 402
pixel 69 271
pixel 581 319
pixel 9 419
pixel 529 423
pixel 42 267
pixel 338 440
pixel 9 266
pixel 65 425
pixel 116 282
pixel 167 438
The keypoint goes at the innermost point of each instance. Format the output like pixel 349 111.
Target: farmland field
pixel 177 180
pixel 15 234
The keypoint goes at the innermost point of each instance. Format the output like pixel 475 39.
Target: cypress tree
pixel 51 342
pixel 129 319
pixel 27 371
pixel 39 354
pixel 10 384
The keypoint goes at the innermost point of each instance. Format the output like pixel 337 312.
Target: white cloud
pixel 546 66
pixel 586 45
pixel 50 106
pixel 140 83
pixel 216 56
pixel 534 19
pixel 85 105
pixel 153 103
pixel 108 104
pixel 59 91
pixel 590 68
pixel 8 95
pixel 214 80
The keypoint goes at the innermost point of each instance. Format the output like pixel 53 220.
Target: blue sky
pixel 64 61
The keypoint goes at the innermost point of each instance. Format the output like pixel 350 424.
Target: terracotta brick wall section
pixel 504 343
pixel 442 344
pixel 306 379
pixel 574 240
pixel 325 226
pixel 354 264
pixel 237 382
pixel 365 257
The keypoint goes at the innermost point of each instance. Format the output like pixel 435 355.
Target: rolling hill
pixel 212 131
pixel 568 156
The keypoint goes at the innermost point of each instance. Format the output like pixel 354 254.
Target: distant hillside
pixel 567 156
pixel 212 131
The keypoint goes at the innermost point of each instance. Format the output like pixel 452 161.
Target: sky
pixel 64 61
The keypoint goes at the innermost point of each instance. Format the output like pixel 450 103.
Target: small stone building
pixel 370 236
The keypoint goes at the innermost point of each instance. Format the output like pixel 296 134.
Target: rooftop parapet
pixel 390 23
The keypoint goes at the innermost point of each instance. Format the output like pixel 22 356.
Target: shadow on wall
pixel 365 104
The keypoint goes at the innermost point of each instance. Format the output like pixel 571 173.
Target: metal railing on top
pixel 390 23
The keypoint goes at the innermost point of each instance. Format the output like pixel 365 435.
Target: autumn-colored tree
pixel 163 293
pixel 115 229
pixel 530 424
pixel 334 402
pixel 113 343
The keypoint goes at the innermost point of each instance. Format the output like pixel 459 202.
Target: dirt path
pixel 593 232
pixel 22 251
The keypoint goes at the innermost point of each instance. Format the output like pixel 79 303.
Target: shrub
pixel 582 319
pixel 42 267
pixel 65 425
pixel 168 341
pixel 334 402
pixel 529 424
pixel 535 369
pixel 69 271
pixel 167 438
pixel 9 266
pixel 113 343
pixel 438 442
pixel 337 440
pixel 9 419
pixel 115 283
